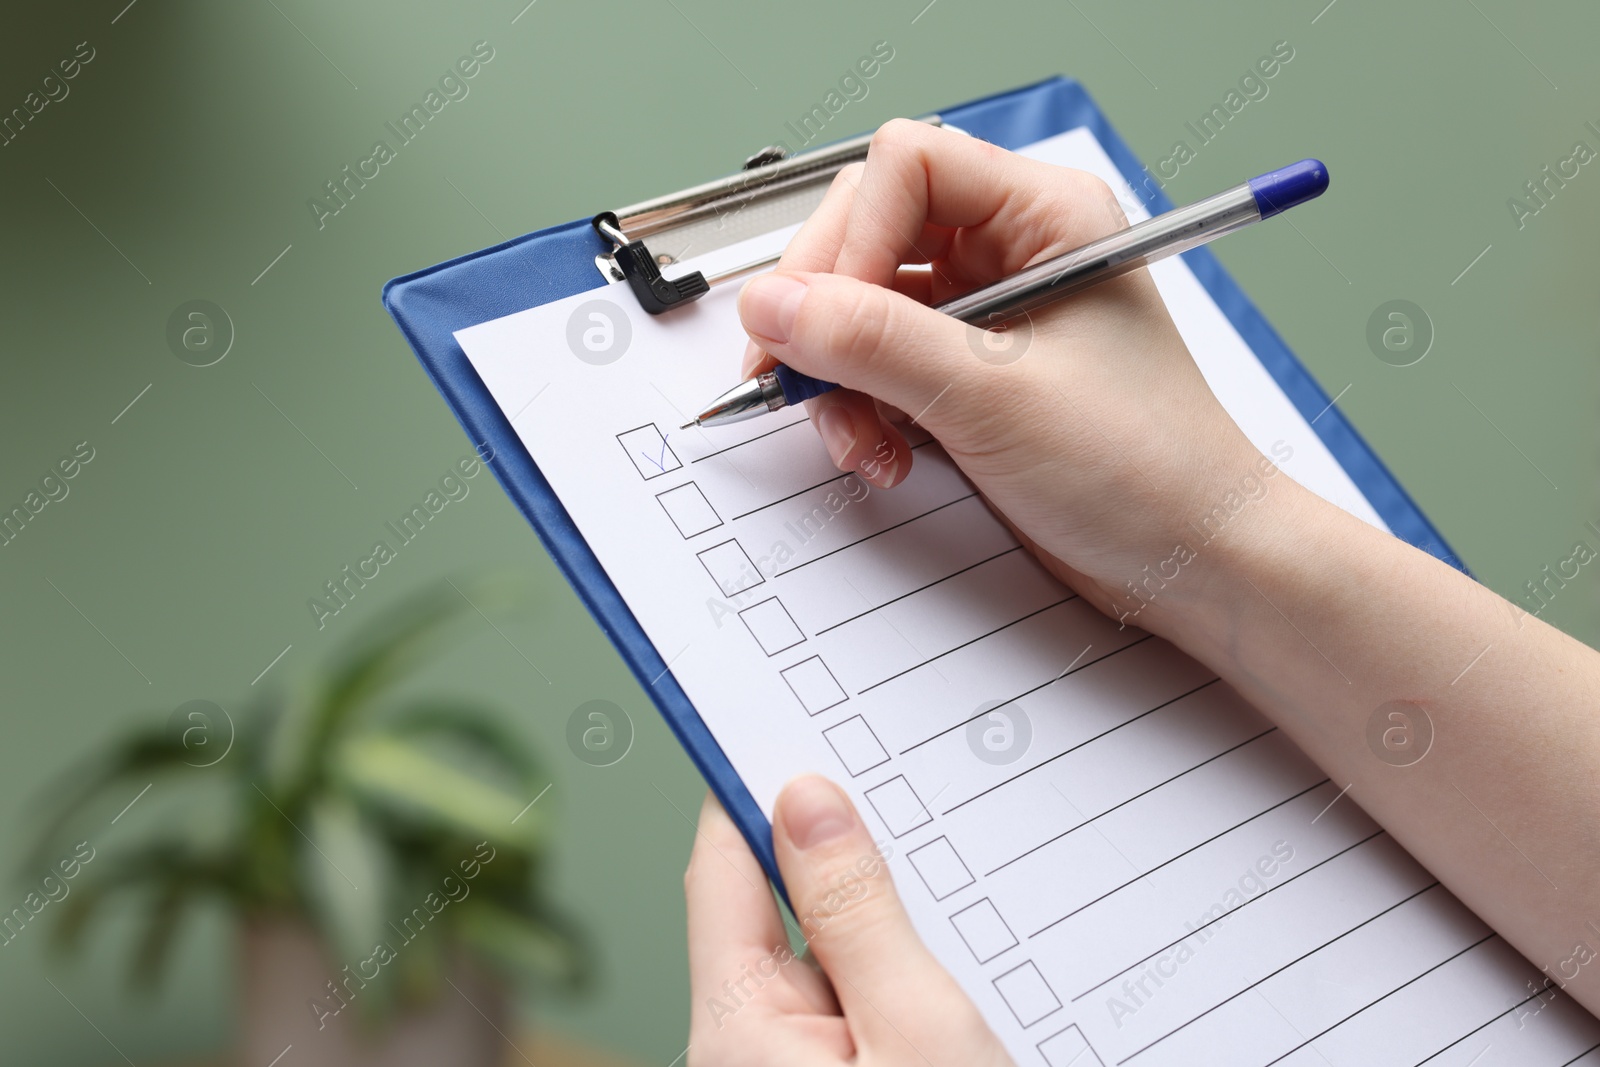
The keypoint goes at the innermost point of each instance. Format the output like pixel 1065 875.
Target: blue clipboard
pixel 429 305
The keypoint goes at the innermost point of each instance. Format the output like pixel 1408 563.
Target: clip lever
pixel 656 294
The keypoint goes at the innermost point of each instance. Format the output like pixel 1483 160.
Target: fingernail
pixel 815 811
pixel 752 356
pixel 880 474
pixel 768 305
pixel 838 432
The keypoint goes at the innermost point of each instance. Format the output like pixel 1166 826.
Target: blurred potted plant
pixel 381 858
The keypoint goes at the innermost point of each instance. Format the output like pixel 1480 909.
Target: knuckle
pixel 1101 200
pixel 897 131
pixel 847 897
pixel 857 919
pixel 1091 187
pixel 848 178
pixel 856 325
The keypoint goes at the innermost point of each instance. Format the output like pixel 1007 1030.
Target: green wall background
pixel 190 144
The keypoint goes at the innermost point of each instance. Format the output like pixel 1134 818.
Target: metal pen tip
pixel 751 397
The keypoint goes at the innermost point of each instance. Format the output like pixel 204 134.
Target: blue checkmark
pixel 661 462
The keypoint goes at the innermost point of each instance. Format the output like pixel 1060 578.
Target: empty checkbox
pixel 769 623
pixel 814 685
pixel 1027 994
pixel 857 746
pixel 649 451
pixel 985 933
pixel 689 510
pixel 940 869
pixel 897 805
pixel 1069 1048
pixel 730 568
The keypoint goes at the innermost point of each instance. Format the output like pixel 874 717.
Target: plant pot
pixel 285 969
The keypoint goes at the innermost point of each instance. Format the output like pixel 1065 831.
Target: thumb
pixel 869 338
pixel 886 980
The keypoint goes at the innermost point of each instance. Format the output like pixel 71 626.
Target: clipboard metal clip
pixel 773 189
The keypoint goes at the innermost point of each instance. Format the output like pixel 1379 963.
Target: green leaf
pixel 76 913
pixel 396 775
pixel 149 963
pixel 376 658
pixel 531 943
pixel 141 755
pixel 472 727
pixel 173 871
pixel 346 871
pixel 385 810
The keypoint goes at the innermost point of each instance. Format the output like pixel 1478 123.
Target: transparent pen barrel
pixel 1147 242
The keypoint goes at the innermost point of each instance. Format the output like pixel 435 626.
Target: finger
pixel 735 925
pixel 816 245
pixel 848 422
pixel 1001 211
pixel 733 918
pixel 916 283
pixel 893 991
pixel 858 432
pixel 858 439
pixel 813 248
pixel 881 343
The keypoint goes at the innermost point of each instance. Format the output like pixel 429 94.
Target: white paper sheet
pixel 1156 876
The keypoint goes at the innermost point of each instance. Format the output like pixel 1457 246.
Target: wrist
pixel 1252 539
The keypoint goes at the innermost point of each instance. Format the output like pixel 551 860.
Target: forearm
pixel 1325 624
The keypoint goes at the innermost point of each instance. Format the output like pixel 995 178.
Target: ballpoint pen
pixel 1043 283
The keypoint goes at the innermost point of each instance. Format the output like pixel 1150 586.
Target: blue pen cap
pixel 1280 190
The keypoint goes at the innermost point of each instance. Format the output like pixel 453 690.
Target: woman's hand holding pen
pixel 1097 445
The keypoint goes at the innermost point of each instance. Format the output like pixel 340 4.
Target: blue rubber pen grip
pixel 798 388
